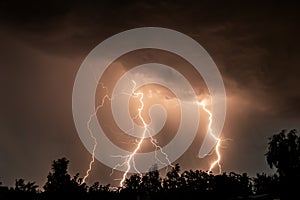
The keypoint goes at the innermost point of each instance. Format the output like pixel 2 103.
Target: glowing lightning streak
pixel 131 156
pixel 217 161
pixel 91 133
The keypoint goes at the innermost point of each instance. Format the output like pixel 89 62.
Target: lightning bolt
pixel 203 103
pixel 91 132
pixel 130 157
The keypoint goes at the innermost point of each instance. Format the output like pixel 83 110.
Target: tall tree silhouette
pixel 284 154
pixel 59 180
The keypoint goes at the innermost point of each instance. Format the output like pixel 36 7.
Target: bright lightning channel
pixel 130 157
pixel 140 95
pixel 91 132
pixel 203 103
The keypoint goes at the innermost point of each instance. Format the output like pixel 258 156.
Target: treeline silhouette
pixel 283 153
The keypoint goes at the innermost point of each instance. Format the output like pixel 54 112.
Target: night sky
pixel 255 45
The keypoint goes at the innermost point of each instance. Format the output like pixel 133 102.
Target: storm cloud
pixel 255 45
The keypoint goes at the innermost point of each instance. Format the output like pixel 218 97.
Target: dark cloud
pixel 255 44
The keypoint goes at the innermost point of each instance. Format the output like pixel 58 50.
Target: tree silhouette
pixel 59 181
pixel 96 188
pixel 133 183
pixel 284 154
pixel 173 180
pixel 266 184
pixel 196 180
pixel 98 191
pixel 151 182
pixel 29 187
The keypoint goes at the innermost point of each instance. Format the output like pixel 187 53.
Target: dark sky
pixel 255 45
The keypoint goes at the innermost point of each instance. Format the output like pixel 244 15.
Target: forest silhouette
pixel 283 153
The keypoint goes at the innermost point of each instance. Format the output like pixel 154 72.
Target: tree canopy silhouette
pixel 22 186
pixel 284 154
pixel 59 180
